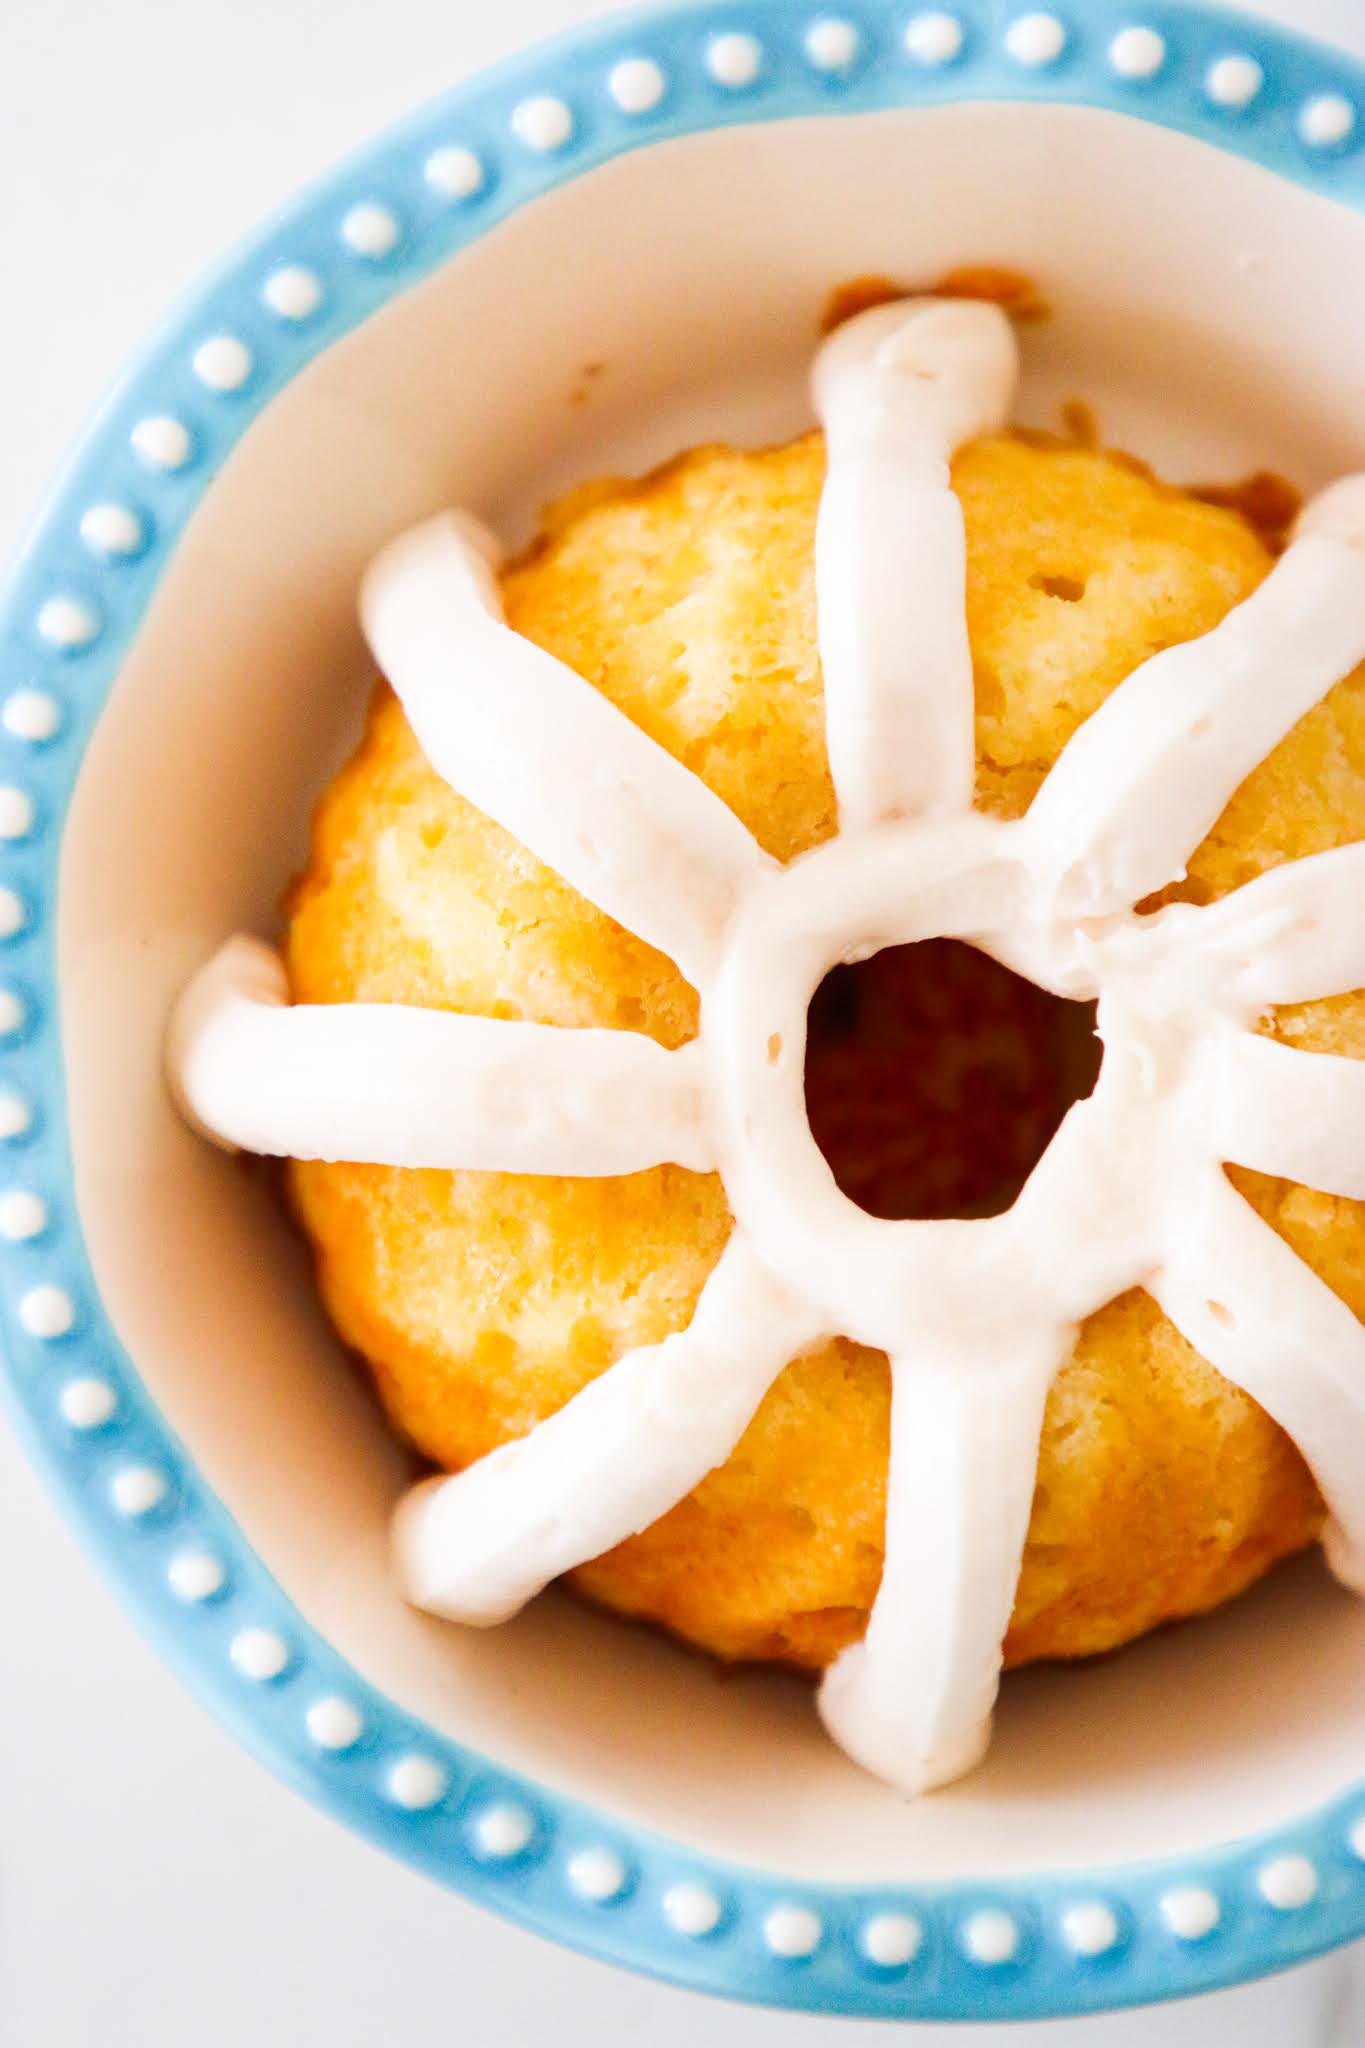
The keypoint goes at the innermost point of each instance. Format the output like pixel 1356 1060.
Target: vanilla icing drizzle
pixel 976 1317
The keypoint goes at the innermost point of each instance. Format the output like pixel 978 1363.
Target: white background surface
pixel 156 1887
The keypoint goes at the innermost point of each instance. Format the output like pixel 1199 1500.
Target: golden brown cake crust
pixel 484 1301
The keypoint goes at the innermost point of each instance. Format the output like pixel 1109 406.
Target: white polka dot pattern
pixel 31 715
pixel 503 1830
pixel 334 1723
pixel 196 1575
pixel 416 1783
pixel 692 1909
pixel 293 292
pixel 1191 1912
pixel 136 1489
pixel 23 1215
pixel 636 84
pixel 892 1940
pixel 88 1403
pixel 47 1312
pixel 162 442
pixel 1089 1928
pixel 734 61
pixel 16 812
pixel 792 1932
pixel 114 531
pixel 1288 1883
pixel 597 1874
pixel 832 44
pixel 222 363
pixel 934 38
pixel 1137 52
pixel 1035 39
pixel 15 1115
pixel 454 172
pixel 544 123
pixel 991 1937
pixel 1326 121
pixel 1234 82
pixel 67 623
pixel 370 230
pixel 259 1654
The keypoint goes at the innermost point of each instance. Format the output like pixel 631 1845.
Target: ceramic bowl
pixel 613 246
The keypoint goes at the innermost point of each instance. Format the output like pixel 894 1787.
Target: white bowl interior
pixel 1215 321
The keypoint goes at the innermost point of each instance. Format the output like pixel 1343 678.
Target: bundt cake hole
pixel 936 1078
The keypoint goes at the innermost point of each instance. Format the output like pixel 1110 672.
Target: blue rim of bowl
pixel 1021 1948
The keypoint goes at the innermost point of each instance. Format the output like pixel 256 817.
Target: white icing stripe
pixel 615 1458
pixel 1297 1115
pixel 1141 782
pixel 1295 934
pixel 1265 1320
pixel 394 1086
pixel 548 756
pixel 912 1702
pixel 898 393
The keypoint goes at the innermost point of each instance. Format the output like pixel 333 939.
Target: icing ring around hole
pixel 863 1269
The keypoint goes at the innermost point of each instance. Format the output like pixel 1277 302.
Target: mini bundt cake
pixel 483 1301
pixel 818 1044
